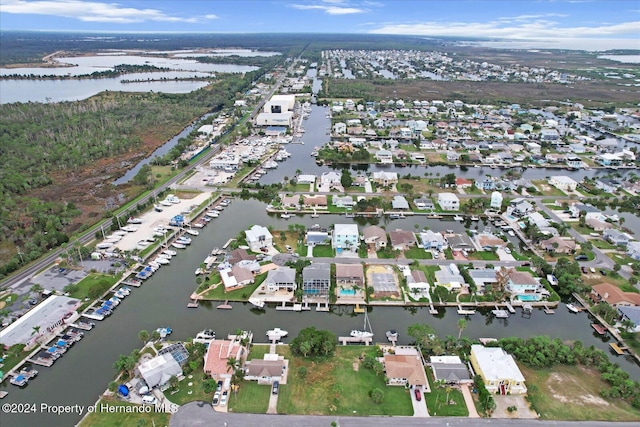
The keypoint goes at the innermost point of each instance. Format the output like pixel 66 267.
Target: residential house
pixel 521 284
pixel 616 237
pixel 597 225
pixel 417 283
pixel 519 207
pixel 236 277
pixel 590 211
pixel 563 182
pixel 343 201
pixel 330 179
pixel 574 162
pixel 607 185
pixel 449 277
pixel 374 237
pixel 399 203
pixel 448 201
pixel 289 201
pixel 239 255
pixel 405 368
pixel 159 370
pixel 496 200
pixel 452 156
pixel 498 370
pixel 345 237
pixel 460 242
pixel 316 201
pixel 306 179
pixel 488 241
pixel 281 278
pixel 259 238
pixel 317 236
pixel 433 240
pixel 424 203
pixel 464 183
pixel 385 178
pixel 633 250
pixel 614 296
pixel 450 370
pixel 402 239
pixel 559 245
pixel 483 277
pixel 608 160
pixel 218 354
pixel 316 279
pixel 631 314
pixel 264 371
pixel 384 156
pixel 339 128
pixel 549 135
pixel 349 275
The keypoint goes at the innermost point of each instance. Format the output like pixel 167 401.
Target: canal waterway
pixel 85 370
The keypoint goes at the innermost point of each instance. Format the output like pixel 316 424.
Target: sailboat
pixel 364 333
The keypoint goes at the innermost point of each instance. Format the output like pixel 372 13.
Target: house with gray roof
pixel 632 314
pixel 264 371
pixel 159 370
pixel 450 369
pixel 281 278
pixel 349 274
pixel 616 237
pixel 316 279
pixel 402 239
pixel 375 237
pixel 317 236
pixel 399 202
pixel 424 203
pixel 483 277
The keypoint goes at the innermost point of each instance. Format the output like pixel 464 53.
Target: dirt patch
pixel 356 366
pixel 561 381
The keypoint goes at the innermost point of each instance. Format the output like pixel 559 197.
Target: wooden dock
pixel 322 306
pixel 226 245
pixel 294 307
pixel 356 340
pixel 225 306
pixel 601 330
pixel 432 309
pixel 193 303
pixel 464 312
pixel 548 310
pixel 618 348
pixel 510 308
pixel 358 309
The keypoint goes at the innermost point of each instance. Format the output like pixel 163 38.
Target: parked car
pixel 149 400
pixel 581 258
pixel 584 269
pixel 223 399
pixel 216 398
pixel 274 389
pixel 603 272
pixel 418 394
pixel 219 386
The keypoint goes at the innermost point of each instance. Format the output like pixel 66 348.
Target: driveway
pixel 273 404
pixel 517 400
pixel 468 400
pixel 419 408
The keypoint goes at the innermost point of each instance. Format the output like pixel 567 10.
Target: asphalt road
pixel 201 414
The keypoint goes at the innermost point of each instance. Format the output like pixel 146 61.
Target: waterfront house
pixel 488 241
pixel 239 255
pixel 483 277
pixel 607 185
pixel 329 179
pixel 281 278
pixel 519 207
pixel 450 370
pixel 589 210
pixel 448 202
pixel 405 368
pixel 349 275
pixel 399 202
pixel 259 238
pixel 464 183
pixel 460 242
pixel 159 370
pixel 616 237
pixel 384 281
pixel 265 371
pixel 496 200
pixel 597 225
pixel 449 277
pixel 614 296
pixel 339 128
pixel 520 283
pixel 306 179
pixel 433 240
pixel 563 182
pixel 315 201
pixel 345 237
pixel 608 160
pixel 424 203
pixel 417 283
pixel 374 237
pixel 316 279
pixel 343 201
pixel 402 239
pixel 384 156
pixel 452 156
pixel 385 178
pixel 289 201
pixel 218 353
pixel 574 162
pixel 631 314
pixel 498 370
pixel 317 236
pixel 236 277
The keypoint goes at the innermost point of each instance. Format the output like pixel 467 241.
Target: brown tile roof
pixel 402 237
pixel 409 367
pixel 521 278
pixel 614 295
pixel 219 351
pixel 349 271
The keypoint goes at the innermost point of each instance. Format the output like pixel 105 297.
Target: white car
pixel 149 400
pixel 223 399
pixel 507 251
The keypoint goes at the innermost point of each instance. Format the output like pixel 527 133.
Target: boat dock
pixel 432 309
pixel 500 314
pixel 225 306
pixel 294 307
pixel 355 340
pixel 358 309
pixel 322 306
pixel 599 329
pixel 193 303
pixel 510 308
pixel 465 312
pixel 548 310
pixel 618 348
pixel 226 245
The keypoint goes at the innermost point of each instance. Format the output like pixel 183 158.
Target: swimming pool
pixel 529 297
pixel 347 292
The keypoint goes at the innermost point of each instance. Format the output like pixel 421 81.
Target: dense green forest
pixel 46 144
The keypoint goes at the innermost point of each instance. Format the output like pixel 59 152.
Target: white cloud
pixel 535 28
pixel 92 11
pixel 332 8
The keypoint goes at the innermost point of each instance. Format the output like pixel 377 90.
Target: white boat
pixel 361 334
pixel 170 252
pixel 192 231
pixel 158 234
pixel 392 335
pixel 458 218
pixel 143 243
pixel 257 302
pixel 205 336
pixel 154 265
pixel 572 308
pixel 314 215
pixel 164 255
pixel 270 165
pixel 285 216
pixel 199 271
pixel 104 245
pixel 213 214
pixel 93 315
pixel 475 218
pixel 277 333
pixel 165 203
pixel 178 245
pixel 157 208
pixel 162 260
pixel 164 332
pixel 129 228
pixel 184 239
pixel 134 221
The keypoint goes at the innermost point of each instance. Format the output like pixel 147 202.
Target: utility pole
pixel 20 253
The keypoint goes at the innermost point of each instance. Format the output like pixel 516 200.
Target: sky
pixel 565 24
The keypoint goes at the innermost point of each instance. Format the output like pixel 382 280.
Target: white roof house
pixel 498 370
pixel 563 182
pixel 448 201
pixel 159 370
pixel 258 237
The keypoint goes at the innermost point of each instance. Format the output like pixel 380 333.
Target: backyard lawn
pixel 113 419
pixel 573 393
pixel 437 400
pixel 191 388
pixel 417 253
pixel 339 386
pixel 218 293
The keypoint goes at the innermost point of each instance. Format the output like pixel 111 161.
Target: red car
pixel 418 395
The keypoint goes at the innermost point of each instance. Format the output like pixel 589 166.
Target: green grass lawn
pixel 322 251
pixel 573 393
pixel 12 358
pixel 258 351
pixel 484 255
pixel 601 244
pixel 242 294
pixel 251 398
pixel 189 393
pixel 417 253
pixel 622 259
pixel 437 400
pixel 117 419
pixel 335 387
pixel 83 286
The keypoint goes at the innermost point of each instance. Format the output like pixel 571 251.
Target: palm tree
pixel 231 363
pixel 462 324
pixel 143 336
